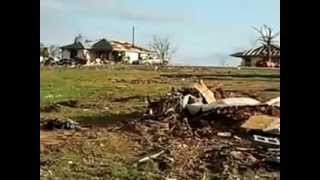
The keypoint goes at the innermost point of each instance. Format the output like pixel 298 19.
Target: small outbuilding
pixel 259 56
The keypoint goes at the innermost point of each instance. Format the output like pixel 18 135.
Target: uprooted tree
pixel 267 38
pixel 163 47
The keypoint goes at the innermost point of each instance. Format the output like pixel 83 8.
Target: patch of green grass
pixel 63 83
pixel 104 85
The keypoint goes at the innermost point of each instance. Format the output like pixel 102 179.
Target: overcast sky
pixel 204 31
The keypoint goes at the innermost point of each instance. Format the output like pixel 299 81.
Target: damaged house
pixel 259 57
pixel 104 51
pixel 76 51
pixel 100 50
pixel 129 52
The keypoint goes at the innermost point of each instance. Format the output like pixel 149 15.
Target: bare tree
pixel 78 38
pixel 163 46
pixel 267 38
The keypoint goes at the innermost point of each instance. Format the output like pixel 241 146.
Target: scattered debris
pixel 261 122
pixel 182 122
pixel 222 104
pixel 224 134
pixel 50 108
pixel 240 101
pixel 266 140
pixel 127 98
pixel 274 149
pixel 245 149
pixel 185 123
pixel 273 128
pixel 68 103
pixel 244 157
pixel 237 138
pixel 58 123
pixel 274 102
pixel 150 157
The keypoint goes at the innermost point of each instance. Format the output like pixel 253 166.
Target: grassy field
pixel 106 86
pixel 64 83
pixel 112 93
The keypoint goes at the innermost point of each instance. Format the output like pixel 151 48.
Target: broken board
pixel 205 92
pixel 260 122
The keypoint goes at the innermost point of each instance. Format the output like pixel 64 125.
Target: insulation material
pixel 261 122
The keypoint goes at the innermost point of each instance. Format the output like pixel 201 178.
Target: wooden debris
pixel 274 102
pixel 260 122
pixel 205 92
pixel 151 157
pixel 244 149
pixel 224 134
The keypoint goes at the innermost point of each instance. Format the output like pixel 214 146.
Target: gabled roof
pixel 103 44
pixel 77 45
pixel 88 44
pixel 261 51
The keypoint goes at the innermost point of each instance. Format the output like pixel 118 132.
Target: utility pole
pixel 133 36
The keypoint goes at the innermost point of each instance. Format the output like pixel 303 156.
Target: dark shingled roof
pixel 259 52
pixel 103 44
pixel 77 45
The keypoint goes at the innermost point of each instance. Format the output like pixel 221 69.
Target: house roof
pixel 259 52
pixel 102 44
pixel 77 45
pixel 126 46
pixel 88 44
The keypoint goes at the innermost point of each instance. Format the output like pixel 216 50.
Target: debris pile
pixel 59 123
pixel 193 132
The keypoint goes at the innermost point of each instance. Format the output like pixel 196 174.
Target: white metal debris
pixel 266 140
pixel 239 101
pixel 224 134
pixel 274 102
pixel 227 102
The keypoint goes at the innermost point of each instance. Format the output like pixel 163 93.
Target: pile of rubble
pixel 195 132
pixel 51 123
